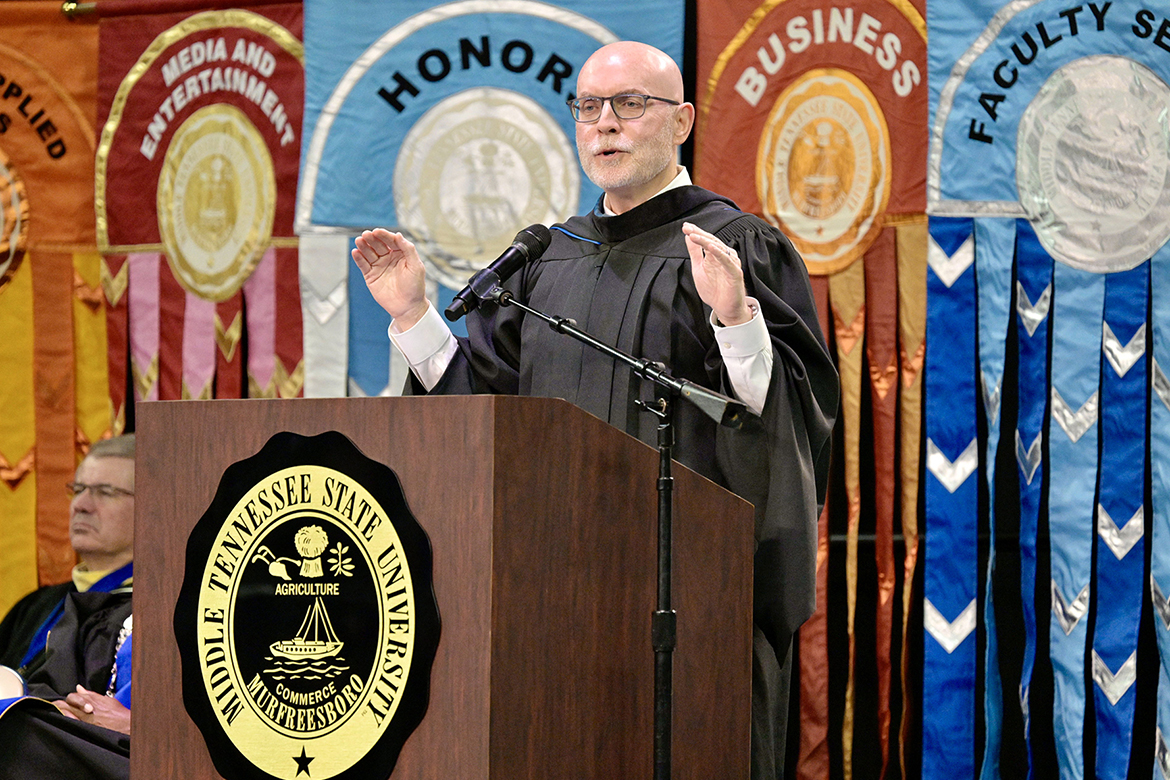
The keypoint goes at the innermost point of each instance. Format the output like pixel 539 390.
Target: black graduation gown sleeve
pixel 25 618
pixel 80 650
pixel 39 743
pixel 783 470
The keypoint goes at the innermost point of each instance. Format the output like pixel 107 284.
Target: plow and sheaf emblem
pixel 316 638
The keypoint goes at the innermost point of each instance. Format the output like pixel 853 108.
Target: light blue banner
pixel 1073 434
pixel 994 251
pixel 448 123
pixel 989 60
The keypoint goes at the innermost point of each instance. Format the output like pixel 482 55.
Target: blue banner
pixel 448 122
pixel 1160 491
pixel 1120 517
pixel 1053 114
pixel 1010 85
pixel 1033 303
pixel 994 250
pixel 951 566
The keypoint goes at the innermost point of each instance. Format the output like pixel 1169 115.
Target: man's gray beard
pixel 661 155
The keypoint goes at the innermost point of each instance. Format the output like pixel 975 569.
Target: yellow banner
pixel 18 502
pixel 48 88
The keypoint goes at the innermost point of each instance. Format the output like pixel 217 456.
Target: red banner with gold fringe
pixel 197 168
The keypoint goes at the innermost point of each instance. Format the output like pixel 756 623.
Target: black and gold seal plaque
pixel 307 622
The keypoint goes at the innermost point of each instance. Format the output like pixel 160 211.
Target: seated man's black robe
pixel 21 623
pixel 626 280
pixel 39 743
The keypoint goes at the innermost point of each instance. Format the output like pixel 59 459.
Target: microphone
pixel 529 244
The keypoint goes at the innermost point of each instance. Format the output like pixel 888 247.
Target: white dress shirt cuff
pixel 747 355
pixel 429 346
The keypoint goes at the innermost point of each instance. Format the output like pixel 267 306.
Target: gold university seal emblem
pixel 216 201
pixel 475 169
pixel 823 168
pixel 306 622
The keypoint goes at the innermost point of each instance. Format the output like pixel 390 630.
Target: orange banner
pixel 48 77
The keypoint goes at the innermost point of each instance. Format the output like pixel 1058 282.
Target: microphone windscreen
pixel 535 239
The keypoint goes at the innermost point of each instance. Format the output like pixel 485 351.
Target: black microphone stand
pixel 725 411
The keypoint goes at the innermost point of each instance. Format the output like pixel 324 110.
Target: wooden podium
pixel 542 521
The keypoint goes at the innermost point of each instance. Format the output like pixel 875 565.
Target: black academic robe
pixel 25 618
pixel 36 741
pixel 81 647
pixel 627 281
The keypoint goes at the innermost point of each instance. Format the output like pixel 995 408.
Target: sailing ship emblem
pixel 315 638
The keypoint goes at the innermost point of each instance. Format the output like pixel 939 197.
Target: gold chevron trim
pixel 912 367
pixel 144 381
pixel 115 284
pixel 204 394
pixel 12 474
pixel 119 418
pixel 849 335
pixel 81 442
pixel 290 385
pixel 256 391
pixel 228 339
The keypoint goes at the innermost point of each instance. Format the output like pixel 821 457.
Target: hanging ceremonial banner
pixel 821 92
pixel 448 122
pixel 994 251
pixel 1023 89
pixel 307 623
pixel 1054 114
pixel 950 580
pixel 1160 491
pixel 53 393
pixel 1121 514
pixel 1033 304
pixel 201 137
pixel 821 87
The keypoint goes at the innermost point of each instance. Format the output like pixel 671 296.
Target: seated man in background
pixel 73 642
pixel 101 530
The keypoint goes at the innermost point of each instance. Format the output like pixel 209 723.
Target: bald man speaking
pixel 672 273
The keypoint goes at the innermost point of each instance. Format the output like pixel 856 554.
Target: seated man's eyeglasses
pixel 101 490
pixel 587 110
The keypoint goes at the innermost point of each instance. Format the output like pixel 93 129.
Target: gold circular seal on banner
pixel 216 201
pixel 1093 164
pixel 13 220
pixel 823 168
pixel 307 623
pixel 476 169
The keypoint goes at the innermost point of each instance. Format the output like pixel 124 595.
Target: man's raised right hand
pixel 394 275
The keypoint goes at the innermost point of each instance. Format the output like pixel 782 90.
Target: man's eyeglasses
pixel 101 490
pixel 626 106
